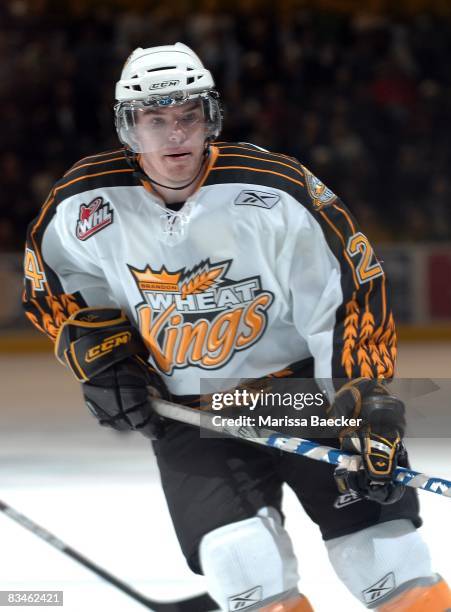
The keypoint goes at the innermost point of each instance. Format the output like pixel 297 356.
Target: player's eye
pixel 157 122
pixel 189 119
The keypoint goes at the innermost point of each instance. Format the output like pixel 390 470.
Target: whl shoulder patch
pixel 380 589
pixel 262 199
pixel 93 217
pixel 245 600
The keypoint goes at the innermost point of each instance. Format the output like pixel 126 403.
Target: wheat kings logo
pixel 199 317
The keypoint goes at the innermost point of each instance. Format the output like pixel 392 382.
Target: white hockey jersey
pixel 263 267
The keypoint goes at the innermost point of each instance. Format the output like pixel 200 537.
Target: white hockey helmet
pixel 163 76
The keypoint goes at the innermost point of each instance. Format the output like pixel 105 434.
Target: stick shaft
pixel 70 552
pixel 290 444
pixel 200 603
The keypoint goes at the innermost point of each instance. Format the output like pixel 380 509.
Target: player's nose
pixel 176 134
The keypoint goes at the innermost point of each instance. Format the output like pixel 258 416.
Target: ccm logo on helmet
pixel 163 84
pixel 107 345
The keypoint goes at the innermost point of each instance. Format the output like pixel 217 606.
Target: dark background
pixel 361 98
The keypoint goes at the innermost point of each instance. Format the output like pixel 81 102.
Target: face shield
pixel 145 126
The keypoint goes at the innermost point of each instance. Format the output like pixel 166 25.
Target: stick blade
pixel 198 603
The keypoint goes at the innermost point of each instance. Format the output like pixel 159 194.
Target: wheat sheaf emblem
pixel 61 307
pixel 350 333
pixel 367 346
pixel 202 280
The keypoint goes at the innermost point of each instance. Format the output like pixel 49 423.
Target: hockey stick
pixel 198 603
pixel 290 444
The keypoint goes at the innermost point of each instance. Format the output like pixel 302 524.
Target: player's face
pixel 173 141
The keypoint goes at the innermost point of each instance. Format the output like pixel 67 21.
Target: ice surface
pixel 98 491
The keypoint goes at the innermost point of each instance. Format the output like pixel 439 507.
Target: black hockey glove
pixel 378 441
pixel 119 398
pixel 106 353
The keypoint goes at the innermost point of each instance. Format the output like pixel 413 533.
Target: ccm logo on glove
pixel 106 353
pixel 107 345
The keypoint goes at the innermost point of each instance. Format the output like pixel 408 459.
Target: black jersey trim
pixel 112 152
pixel 237 177
pixel 260 163
pixel 124 177
pixel 103 162
pixel 262 152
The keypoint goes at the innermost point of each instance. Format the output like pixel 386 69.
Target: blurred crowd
pixel 362 100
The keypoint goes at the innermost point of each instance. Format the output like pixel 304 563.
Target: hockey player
pixel 175 258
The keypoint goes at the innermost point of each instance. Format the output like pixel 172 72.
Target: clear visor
pixel 162 121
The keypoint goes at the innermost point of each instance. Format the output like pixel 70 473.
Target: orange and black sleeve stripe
pixel 365 342
pixel 45 303
pixel 364 339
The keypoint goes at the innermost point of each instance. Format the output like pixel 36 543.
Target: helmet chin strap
pixel 153 181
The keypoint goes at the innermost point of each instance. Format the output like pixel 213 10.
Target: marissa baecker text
pixel 285 421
